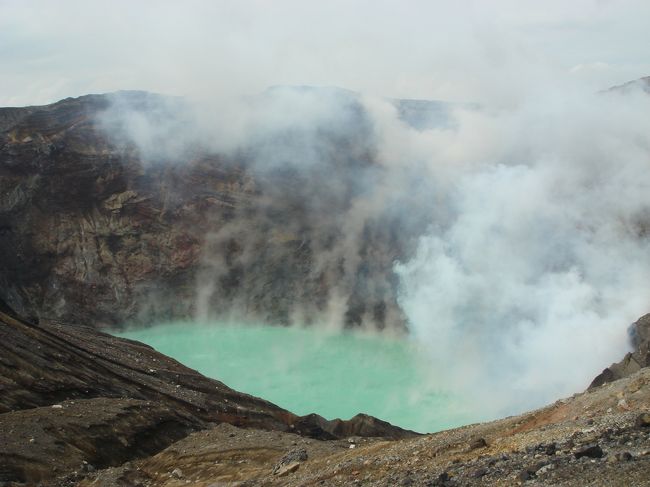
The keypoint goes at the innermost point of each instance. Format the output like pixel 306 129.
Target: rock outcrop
pixel 100 227
pixel 633 361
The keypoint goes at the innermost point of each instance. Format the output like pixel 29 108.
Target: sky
pixel 459 51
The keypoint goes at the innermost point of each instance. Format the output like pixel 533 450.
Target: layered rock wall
pixel 92 231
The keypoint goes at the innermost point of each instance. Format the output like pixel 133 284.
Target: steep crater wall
pixel 95 230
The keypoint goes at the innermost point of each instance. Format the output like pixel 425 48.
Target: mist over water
pixel 336 375
pixel 529 281
pixel 513 238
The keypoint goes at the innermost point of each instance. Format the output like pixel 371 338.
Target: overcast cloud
pixel 463 50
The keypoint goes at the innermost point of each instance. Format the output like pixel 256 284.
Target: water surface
pixel 336 375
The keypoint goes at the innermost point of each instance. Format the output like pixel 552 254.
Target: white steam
pixel 523 290
pixel 519 236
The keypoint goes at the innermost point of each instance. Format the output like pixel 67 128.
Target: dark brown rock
pixel 359 425
pixel 643 420
pixel 480 472
pixel 477 443
pixel 525 475
pixel 624 456
pixel 591 451
pixel 94 230
pixel 293 457
pixel 100 432
pixel 632 362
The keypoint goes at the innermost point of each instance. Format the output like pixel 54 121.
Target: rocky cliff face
pixel 87 232
pixel 96 228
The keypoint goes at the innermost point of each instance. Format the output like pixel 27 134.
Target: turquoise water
pixel 336 375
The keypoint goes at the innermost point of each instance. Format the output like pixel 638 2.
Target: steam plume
pixel 512 243
pixel 527 283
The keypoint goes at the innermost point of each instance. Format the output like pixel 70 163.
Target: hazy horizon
pixel 496 52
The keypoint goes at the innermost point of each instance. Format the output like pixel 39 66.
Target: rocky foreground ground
pixel 79 407
pixel 601 437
